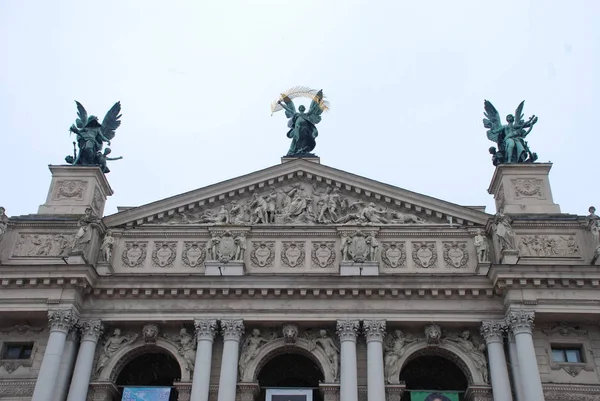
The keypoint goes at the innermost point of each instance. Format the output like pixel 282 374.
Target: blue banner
pixel 146 394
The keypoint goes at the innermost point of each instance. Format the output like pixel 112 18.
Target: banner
pixel 433 396
pixel 146 394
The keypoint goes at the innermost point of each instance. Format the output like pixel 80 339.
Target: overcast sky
pixel 406 81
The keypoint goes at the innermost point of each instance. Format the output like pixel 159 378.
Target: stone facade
pixel 295 240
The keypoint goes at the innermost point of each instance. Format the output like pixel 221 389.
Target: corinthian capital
pixel 91 330
pixel 493 330
pixel 520 321
pixel 347 329
pixel 374 329
pixel 232 329
pixel 205 329
pixel 61 319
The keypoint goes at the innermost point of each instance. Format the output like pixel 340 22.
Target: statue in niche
pixel 345 245
pixel 503 229
pixel 394 350
pixel 187 347
pixel 250 349
pixel 482 246
pixel 107 246
pixel 330 348
pixel 3 221
pixel 91 136
pixel 87 223
pixel 303 130
pixel 112 345
pixel 464 341
pixel 510 138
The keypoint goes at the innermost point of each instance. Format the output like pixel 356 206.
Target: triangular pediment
pixel 298 192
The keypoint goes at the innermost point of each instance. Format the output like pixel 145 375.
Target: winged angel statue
pixel 303 130
pixel 512 147
pixel 91 136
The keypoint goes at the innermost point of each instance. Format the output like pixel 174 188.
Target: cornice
pixel 513 276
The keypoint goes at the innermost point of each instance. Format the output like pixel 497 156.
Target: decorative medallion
pixel 70 189
pixel 134 254
pixel 323 254
pixel 263 254
pixel 193 255
pixel 394 255
pixel 456 255
pixel 292 254
pixel 527 187
pixel 226 247
pixel 424 254
pixel 358 249
pixel 164 254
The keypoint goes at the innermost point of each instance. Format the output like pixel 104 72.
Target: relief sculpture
pixel 32 245
pixel 112 345
pixel 425 254
pixel 193 255
pixel 548 246
pixel 323 254
pixel 164 254
pixel 292 254
pixel 393 255
pixel 226 247
pixel 263 254
pixel 250 349
pixel 456 255
pixel 134 254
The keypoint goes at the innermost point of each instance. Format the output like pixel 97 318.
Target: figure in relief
pixel 259 208
pixel 112 345
pixel 237 214
pixel 331 349
pixel 87 223
pixel 503 229
pixel 107 246
pixel 211 247
pixel 187 347
pixel 406 218
pixel 297 205
pixel 512 147
pixel 394 350
pixel 482 245
pixel 3 221
pixel 345 245
pixel 594 224
pixel 250 349
pixel 240 246
pixel 464 341
pixel 373 246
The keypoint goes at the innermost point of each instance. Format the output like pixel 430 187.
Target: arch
pixel 278 346
pixel 448 351
pixel 126 354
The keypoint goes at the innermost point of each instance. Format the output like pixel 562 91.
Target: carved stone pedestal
pixel 523 188
pixel 184 390
pixel 509 257
pixel 231 268
pixel 75 188
pixel 394 392
pixel 348 268
pixel 103 391
pixel 104 269
pixel 330 392
pixel 247 391
pixel 479 393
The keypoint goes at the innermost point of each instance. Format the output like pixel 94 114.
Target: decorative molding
pixel 571 392
pixel 374 330
pixel 564 329
pixel 572 369
pixel 347 329
pixel 10 365
pixel 16 388
pixel 71 189
pixel 527 188
pixel 22 329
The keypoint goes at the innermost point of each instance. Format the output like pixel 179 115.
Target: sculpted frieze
pixel 69 189
pixel 393 254
pixel 134 253
pixel 456 255
pixel 323 254
pixel 548 246
pixel 194 254
pixel 527 187
pixel 164 254
pixel 292 254
pixel 35 245
pixel 425 254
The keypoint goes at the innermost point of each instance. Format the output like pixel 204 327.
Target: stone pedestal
pixel 479 393
pixel 247 391
pixel 330 391
pixel 394 392
pixel 349 268
pixel 314 159
pixel 523 188
pixel 103 391
pixel 184 390
pixel 231 268
pixel 75 188
pixel 509 257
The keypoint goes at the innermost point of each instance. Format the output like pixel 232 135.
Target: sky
pixel 406 82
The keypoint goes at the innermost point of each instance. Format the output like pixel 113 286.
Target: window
pixel 17 350
pixel 568 354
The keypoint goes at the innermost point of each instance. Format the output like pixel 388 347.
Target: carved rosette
pixel 263 254
pixel 520 321
pixel 290 333
pixel 323 254
pixel 292 254
pixel 194 254
pixel 164 254
pixel 61 319
pixel 232 329
pixel 205 329
pixel 425 254
pixel 456 255
pixel 347 329
pixel 493 331
pixel 374 329
pixel 91 330
pixel 394 255
pixel 134 254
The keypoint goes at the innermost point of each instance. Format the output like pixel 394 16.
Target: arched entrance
pixel 433 372
pixel 290 370
pixel 148 370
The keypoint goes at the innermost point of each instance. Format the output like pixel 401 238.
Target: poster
pixel 433 396
pixel 146 394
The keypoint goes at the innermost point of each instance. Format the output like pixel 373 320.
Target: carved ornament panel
pixel 424 254
pixel 456 254
pixel 262 254
pixel 97 202
pixel 393 254
pixel 292 254
pixel 39 245
pixel 527 188
pixel 323 254
pixel 69 190
pixel 194 254
pixel 548 246
pixel 164 254
pixel 134 253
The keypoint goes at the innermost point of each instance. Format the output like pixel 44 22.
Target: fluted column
pixel 374 332
pixel 346 330
pixel 514 368
pixel 205 333
pixel 521 325
pixel 493 333
pixel 91 331
pixel 67 361
pixel 232 332
pixel 61 321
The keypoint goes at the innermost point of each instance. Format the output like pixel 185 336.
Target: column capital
pixel 61 319
pixel 205 329
pixel 232 329
pixel 493 330
pixel 91 330
pixel 347 329
pixel 520 321
pixel 374 329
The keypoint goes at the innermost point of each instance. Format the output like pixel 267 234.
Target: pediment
pixel 298 193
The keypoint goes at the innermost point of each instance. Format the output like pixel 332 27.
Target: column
pixel 232 332
pixel 346 330
pixel 521 324
pixel 91 331
pixel 67 361
pixel 374 332
pixel 514 368
pixel 205 333
pixel 61 322
pixel 493 333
